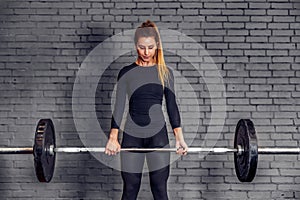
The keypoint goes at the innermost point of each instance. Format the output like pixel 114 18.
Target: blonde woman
pixel 145 82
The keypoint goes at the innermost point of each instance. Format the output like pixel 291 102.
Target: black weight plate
pixel 44 163
pixel 245 163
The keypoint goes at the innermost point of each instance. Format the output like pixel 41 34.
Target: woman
pixel 145 82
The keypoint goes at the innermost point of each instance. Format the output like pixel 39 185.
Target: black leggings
pixel 158 164
pixel 158 184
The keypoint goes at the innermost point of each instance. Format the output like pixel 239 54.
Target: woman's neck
pixel 145 64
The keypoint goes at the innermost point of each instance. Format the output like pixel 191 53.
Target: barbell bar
pixel 52 150
pixel 245 150
pixel 221 150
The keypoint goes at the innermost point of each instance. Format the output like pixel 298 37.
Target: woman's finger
pixel 106 151
pixel 178 150
pixel 113 151
pixel 185 150
pixel 119 148
pixel 182 150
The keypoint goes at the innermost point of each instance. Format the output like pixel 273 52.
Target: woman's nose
pixel 146 51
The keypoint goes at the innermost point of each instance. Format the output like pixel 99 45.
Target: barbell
pixel 245 150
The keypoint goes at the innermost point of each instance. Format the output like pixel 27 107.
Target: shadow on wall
pixel 104 108
pixel 98 181
pixel 76 176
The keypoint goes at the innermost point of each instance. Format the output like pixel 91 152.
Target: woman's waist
pixel 145 117
pixel 145 109
pixel 144 131
pixel 144 122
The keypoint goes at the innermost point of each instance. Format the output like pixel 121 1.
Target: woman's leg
pixel 131 185
pixel 131 165
pixel 158 183
pixel 159 165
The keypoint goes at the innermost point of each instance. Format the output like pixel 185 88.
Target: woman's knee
pixel 131 181
pixel 159 178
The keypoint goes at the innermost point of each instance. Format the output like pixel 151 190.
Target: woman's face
pixel 146 48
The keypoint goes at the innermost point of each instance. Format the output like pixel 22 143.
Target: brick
pixel 261 101
pixel 277 53
pixel 261 18
pixel 238 32
pixel 190 5
pixel 209 11
pixel 172 18
pixel 187 12
pixel 289 172
pixel 276 26
pixel 214 5
pixel 279 37
pixel 284 33
pixel 284 46
pixel 284 88
pixel 237 5
pixel 190 194
pixel 282 194
pixel 256 39
pixel 255 52
pixel 257 194
pixel 126 5
pixel 284 18
pixel 262 46
pixel 235 195
pixel 82 5
pixel 214 32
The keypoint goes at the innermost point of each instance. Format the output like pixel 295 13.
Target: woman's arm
pixel 174 116
pixel 120 101
pixel 113 145
pixel 171 104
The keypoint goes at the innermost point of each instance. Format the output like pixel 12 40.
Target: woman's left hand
pixel 181 146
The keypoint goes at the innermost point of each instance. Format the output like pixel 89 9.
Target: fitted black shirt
pixel 145 94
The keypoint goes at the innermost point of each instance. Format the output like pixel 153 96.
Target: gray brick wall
pixel 255 45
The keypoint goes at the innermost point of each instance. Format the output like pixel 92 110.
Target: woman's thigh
pixel 158 159
pixel 132 162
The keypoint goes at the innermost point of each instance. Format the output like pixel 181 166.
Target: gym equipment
pixel 245 150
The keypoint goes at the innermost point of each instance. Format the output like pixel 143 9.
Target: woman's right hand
pixel 112 147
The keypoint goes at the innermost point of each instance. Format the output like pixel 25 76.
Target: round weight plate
pixel 44 162
pixel 245 162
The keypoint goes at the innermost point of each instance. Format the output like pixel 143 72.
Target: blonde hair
pixel 149 29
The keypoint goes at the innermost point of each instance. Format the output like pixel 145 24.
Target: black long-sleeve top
pixel 145 95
